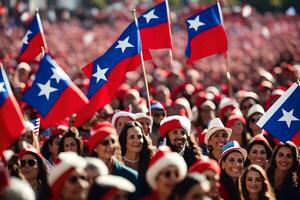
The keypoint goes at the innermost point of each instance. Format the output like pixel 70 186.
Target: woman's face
pixel 70 144
pixel 237 127
pixel 253 120
pixel 167 179
pixel 284 159
pixel 29 166
pixel 76 186
pixel 178 138
pixel 206 113
pixel 233 164
pixel 107 148
pixel 218 139
pixel 214 180
pixel 254 182
pixel 134 139
pixel 121 121
pixel 258 155
pixel 145 124
pixel 54 146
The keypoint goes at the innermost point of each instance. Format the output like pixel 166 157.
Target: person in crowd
pixel 94 168
pixel 111 187
pixel 193 186
pixel 146 121
pixel 212 171
pixel 232 164
pixel 176 132
pixel 259 152
pixel 254 184
pixel 284 171
pixel 104 145
pixel 71 142
pixel 237 123
pixel 67 180
pixel 10 159
pixel 165 170
pixel 247 101
pixel 215 138
pixel 253 115
pixel 158 112
pixel 120 118
pixel 105 113
pixel 34 169
pixel 226 106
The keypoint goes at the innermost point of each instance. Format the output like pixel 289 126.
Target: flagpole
pixel 143 66
pixel 168 14
pixel 228 76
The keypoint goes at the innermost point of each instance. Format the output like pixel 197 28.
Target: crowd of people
pixel 199 138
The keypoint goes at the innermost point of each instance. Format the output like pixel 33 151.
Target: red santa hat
pixel 99 135
pixel 202 165
pixel 233 118
pixel 174 122
pixel 68 162
pixel 163 158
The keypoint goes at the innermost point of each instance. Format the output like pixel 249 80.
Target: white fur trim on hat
pixel 256 108
pixel 115 182
pixel 171 158
pixel 68 160
pixel 214 126
pixel 98 164
pixel 143 115
pixel 208 103
pixel 121 114
pixel 227 102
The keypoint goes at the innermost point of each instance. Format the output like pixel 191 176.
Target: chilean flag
pixel 283 118
pixel 154 26
pixel 206 34
pixel 33 41
pixel 108 72
pixel 11 119
pixel 53 94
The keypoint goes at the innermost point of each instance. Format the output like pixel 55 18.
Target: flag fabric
pixel 33 41
pixel 282 120
pixel 107 72
pixel 36 124
pixel 11 119
pixel 154 26
pixel 53 94
pixel 206 34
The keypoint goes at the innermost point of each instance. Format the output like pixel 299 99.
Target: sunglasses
pixel 158 114
pixel 168 174
pixel 253 120
pixel 30 162
pixel 74 179
pixel 107 142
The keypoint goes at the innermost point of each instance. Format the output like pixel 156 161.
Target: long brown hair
pixel 266 193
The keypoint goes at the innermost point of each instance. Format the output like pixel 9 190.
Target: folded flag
pixel 154 26
pixel 206 34
pixel 108 72
pixel 283 118
pixel 33 42
pixel 11 118
pixel 53 94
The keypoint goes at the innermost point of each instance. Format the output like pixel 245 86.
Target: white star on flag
pixel 196 23
pixel 2 89
pixel 123 44
pixel 150 15
pixel 288 117
pixel 25 39
pixel 100 74
pixel 58 74
pixel 46 89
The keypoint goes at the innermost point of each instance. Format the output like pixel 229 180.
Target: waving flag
pixel 11 119
pixel 206 34
pixel 283 118
pixel 53 94
pixel 154 26
pixel 108 72
pixel 33 41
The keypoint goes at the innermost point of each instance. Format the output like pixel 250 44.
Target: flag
pixel 11 119
pixel 33 41
pixel 107 72
pixel 154 26
pixel 36 124
pixel 282 120
pixel 206 34
pixel 53 94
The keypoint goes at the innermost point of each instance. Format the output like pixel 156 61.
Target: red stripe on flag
pixel 33 49
pixel 296 139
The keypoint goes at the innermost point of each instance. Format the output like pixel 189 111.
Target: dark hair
pixel 248 128
pixel 258 142
pixel 45 148
pixel 147 151
pixel 72 133
pixel 266 193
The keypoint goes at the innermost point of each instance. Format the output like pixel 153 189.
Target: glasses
pixel 158 114
pixel 246 107
pixel 30 162
pixel 168 174
pixel 108 141
pixel 253 120
pixel 74 179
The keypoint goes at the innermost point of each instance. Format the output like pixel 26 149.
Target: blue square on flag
pixel 282 120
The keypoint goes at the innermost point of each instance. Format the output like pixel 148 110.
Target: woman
pixel 34 169
pixel 120 118
pixel 253 115
pixel 232 164
pixel 284 171
pixel 259 152
pixel 254 184
pixel 104 145
pixel 165 170
pixel 71 142
pixel 215 138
